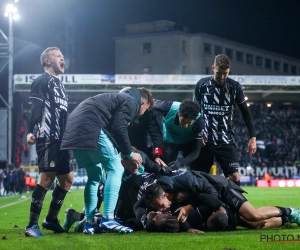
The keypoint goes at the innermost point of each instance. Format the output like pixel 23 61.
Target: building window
pixel 268 63
pixel 259 61
pixel 218 50
pixel 184 69
pixel 286 68
pixel 207 48
pixel 207 70
pixel 276 66
pixel 183 46
pixel 293 70
pixel 147 70
pixel 229 53
pixel 239 56
pixel 249 59
pixel 146 48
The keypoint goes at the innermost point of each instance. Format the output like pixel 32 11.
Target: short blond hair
pixel 46 54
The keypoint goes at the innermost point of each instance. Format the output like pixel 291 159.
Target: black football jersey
pixel 218 105
pixel 51 92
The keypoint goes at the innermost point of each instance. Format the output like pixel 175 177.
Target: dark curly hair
pixel 152 192
pixel 168 224
pixel 189 109
pixel 222 61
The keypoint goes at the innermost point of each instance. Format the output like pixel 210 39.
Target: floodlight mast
pixel 11 13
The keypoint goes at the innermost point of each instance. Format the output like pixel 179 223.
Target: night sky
pixel 273 25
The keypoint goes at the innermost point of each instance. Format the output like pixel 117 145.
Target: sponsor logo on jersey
pixel 235 202
pixel 52 164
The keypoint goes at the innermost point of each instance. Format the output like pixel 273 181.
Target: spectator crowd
pixel 278 136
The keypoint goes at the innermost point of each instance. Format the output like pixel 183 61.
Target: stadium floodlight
pixel 11 10
pixel 11 13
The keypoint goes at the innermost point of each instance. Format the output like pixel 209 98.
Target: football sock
pixel 284 211
pixel 92 222
pixel 97 220
pixel 285 219
pixel 37 201
pixel 82 216
pixel 78 216
pixel 58 197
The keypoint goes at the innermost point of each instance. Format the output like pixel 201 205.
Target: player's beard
pixel 221 81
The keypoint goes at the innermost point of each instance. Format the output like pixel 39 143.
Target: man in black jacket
pixel 96 130
pixel 190 209
pixel 218 187
pixel 218 97
pixel 145 134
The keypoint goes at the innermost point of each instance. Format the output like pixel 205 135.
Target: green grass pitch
pixel 14 215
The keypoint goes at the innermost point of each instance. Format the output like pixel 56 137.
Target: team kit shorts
pixel 51 158
pixel 234 199
pixel 225 155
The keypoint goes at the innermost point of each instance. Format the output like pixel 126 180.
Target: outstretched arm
pixel 153 167
pixel 250 126
pixel 155 132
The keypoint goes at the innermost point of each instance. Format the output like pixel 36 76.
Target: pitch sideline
pixel 11 204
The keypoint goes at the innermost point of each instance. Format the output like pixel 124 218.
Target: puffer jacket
pixel 189 182
pixel 111 112
pixel 198 182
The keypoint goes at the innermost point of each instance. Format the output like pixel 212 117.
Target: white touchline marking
pixel 10 204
